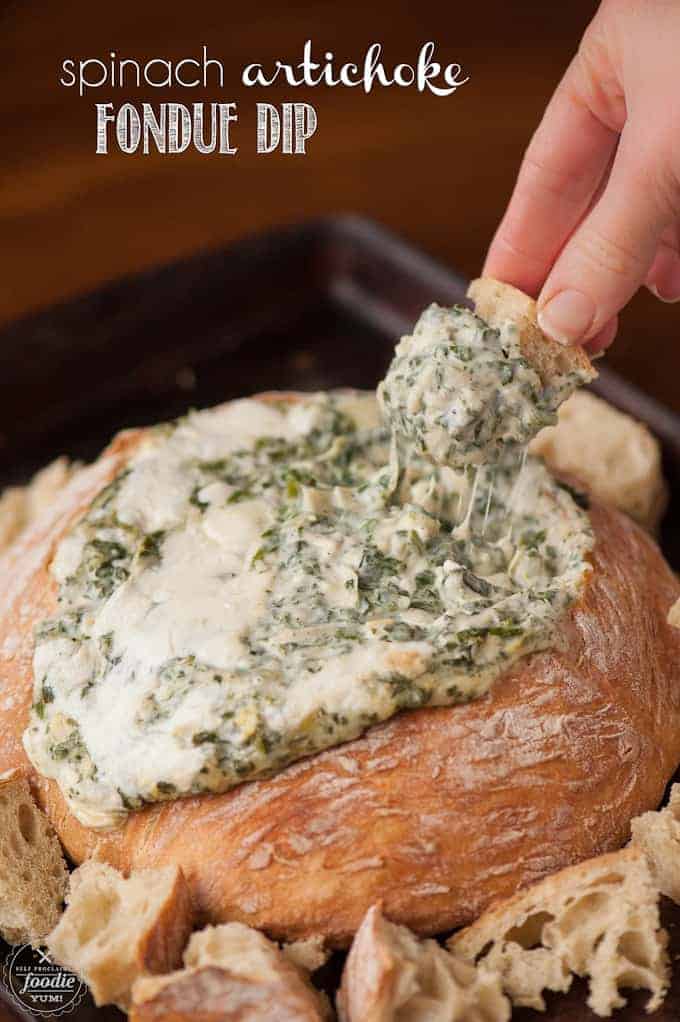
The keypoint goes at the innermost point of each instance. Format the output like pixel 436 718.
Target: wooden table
pixel 436 170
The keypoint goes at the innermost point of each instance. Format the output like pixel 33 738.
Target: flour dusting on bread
pixel 263 581
pixel 20 506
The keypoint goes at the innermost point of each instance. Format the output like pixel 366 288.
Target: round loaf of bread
pixel 435 813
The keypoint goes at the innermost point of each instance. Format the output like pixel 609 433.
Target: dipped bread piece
pixel 435 812
pixel 465 388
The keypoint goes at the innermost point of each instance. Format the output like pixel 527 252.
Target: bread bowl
pixel 437 811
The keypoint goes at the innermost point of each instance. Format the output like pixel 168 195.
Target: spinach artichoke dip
pixel 462 393
pixel 268 579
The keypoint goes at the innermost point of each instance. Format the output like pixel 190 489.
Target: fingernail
pixel 671 290
pixel 567 316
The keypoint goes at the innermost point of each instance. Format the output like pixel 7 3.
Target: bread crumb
pixel 309 954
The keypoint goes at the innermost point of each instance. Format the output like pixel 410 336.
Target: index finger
pixel 561 172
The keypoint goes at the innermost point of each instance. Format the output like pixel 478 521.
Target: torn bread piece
pixel 657 834
pixel 613 455
pixel 232 973
pixel 33 876
pixel 498 303
pixel 21 505
pixel 390 974
pixel 116 929
pixel 599 919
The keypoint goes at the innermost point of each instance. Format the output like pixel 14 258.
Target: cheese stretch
pixel 265 580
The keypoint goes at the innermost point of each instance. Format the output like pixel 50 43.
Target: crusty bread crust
pixel 211 994
pixel 231 974
pixel 497 303
pixel 435 813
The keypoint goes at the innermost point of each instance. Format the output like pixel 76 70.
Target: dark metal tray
pixel 309 307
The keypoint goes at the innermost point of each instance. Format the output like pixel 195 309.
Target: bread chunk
pixel 598 919
pixel 21 505
pixel 32 869
pixel 390 974
pixel 658 836
pixel 116 929
pixel 617 458
pixel 497 303
pixel 232 973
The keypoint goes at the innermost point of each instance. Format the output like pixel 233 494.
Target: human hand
pixel 596 209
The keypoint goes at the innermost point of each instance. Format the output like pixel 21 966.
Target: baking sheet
pixel 309 307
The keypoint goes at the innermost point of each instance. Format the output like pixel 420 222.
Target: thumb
pixel 609 254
